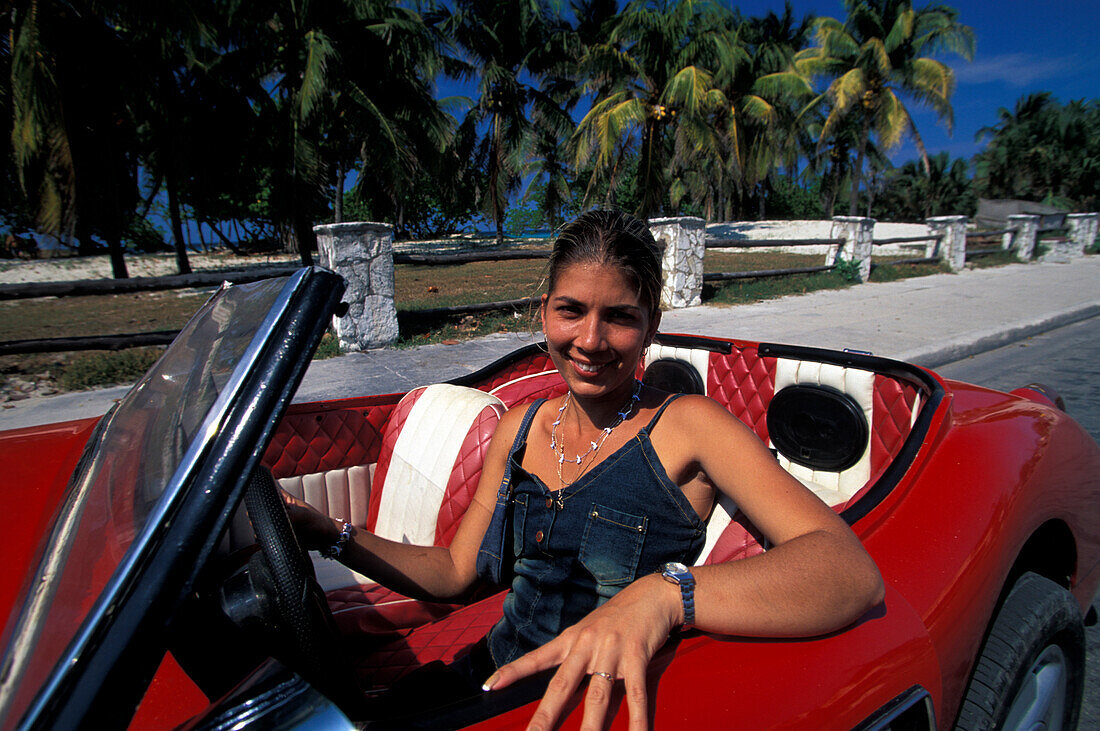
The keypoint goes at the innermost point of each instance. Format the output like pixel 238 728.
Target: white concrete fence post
pixel 1082 231
pixel 952 246
pixel 858 233
pixel 684 242
pixel 362 253
pixel 1023 237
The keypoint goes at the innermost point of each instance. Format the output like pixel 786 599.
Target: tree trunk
pixel 853 204
pixel 118 262
pixel 307 240
pixel 832 185
pixel 182 264
pixel 338 201
pixel 648 206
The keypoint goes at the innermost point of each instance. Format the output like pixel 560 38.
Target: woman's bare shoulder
pixel 691 407
pixel 701 418
pixel 509 425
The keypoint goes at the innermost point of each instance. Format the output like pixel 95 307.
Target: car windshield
pixel 125 487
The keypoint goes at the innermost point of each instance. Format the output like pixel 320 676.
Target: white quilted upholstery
pixel 697 358
pixel 342 493
pixel 423 456
pixel 832 487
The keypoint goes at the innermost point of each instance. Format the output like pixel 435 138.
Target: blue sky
pixel 1022 46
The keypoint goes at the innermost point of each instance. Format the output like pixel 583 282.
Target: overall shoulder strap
pixel 661 410
pixel 525 426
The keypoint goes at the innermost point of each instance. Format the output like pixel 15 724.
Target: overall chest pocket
pixel 612 545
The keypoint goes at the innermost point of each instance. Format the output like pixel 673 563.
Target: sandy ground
pixel 145 265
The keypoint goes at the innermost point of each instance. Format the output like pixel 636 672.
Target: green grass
pixel 104 368
pixel 744 291
pixel 996 259
pixel 893 272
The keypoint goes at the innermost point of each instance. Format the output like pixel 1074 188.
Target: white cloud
pixel 1014 69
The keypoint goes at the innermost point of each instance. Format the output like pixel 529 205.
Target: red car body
pixel 992 485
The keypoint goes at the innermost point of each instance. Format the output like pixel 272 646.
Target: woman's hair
pixel 614 238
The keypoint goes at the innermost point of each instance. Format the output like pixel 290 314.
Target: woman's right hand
pixel 313 529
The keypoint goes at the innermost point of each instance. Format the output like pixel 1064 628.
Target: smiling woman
pixel 594 504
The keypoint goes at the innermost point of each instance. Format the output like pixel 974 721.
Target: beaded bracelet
pixel 337 546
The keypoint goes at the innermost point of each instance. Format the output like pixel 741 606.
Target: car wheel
pixel 1031 668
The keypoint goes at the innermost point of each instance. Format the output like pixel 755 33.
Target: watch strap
pixel 687 596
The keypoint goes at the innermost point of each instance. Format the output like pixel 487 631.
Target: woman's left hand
pixel 612 644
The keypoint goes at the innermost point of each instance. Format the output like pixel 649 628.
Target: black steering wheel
pixel 283 572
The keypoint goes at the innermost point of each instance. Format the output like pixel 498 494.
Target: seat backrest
pixel 433 448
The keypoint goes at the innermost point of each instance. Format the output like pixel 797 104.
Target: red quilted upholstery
pixel 536 363
pixel 389 438
pixel 548 385
pixel 443 640
pixel 465 475
pixel 891 414
pixel 744 383
pixel 322 438
pixel 376 610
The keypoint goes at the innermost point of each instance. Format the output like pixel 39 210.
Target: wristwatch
pixel 676 573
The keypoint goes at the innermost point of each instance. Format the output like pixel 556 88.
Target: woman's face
pixel 596 329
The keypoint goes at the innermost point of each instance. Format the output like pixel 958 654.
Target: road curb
pixel 984 341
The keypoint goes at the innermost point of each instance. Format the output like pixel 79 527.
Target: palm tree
pixel 72 86
pixel 765 94
pixel 878 54
pixel 1042 150
pixel 655 92
pixel 331 80
pixel 170 44
pixel 913 194
pixel 511 46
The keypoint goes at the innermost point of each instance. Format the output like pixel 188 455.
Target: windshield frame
pixel 121 639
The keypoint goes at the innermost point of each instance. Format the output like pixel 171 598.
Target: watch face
pixel 674 567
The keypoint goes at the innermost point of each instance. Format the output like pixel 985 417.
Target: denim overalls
pixel 575 550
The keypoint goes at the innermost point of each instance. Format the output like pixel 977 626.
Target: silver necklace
pixel 558 446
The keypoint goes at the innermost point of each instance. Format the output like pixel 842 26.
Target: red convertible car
pixel 152 578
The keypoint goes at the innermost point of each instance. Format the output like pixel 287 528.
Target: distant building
pixel 993 214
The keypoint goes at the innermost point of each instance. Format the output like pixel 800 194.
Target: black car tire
pixel 1032 661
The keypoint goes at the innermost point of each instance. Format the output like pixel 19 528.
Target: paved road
pixel 1068 359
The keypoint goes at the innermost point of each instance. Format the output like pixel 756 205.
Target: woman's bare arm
pixel 815 578
pixel 420 572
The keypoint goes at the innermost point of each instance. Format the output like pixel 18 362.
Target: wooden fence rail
pixel 469 257
pixel 139 284
pixel 95 342
pixel 989 234
pixel 907 239
pixel 768 243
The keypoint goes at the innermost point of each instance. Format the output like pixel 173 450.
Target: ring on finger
pixel 608 676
